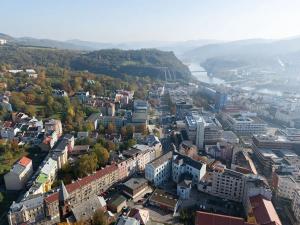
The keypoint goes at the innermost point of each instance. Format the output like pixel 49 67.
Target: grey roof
pixel 28 203
pixel 63 194
pixel 179 158
pixel 93 117
pixel 159 161
pixel 18 169
pixel 86 209
pixel 233 173
pixel 134 183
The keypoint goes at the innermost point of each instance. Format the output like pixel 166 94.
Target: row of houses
pixel 41 203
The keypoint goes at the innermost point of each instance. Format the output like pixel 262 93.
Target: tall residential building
pixel 228 184
pixel 220 100
pixel 20 173
pixel 200 133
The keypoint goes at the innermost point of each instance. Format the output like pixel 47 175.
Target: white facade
pixel 200 133
pixel 159 170
pixel 245 124
pixel 184 165
pixel 184 189
pixel 3 41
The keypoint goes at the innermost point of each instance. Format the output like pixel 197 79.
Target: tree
pixel 8 156
pixel 30 110
pixel 87 164
pixel 156 133
pixel 99 218
pixel 111 128
pixel 131 142
pixel 110 146
pixel 89 126
pixel 102 154
pixel 1 197
pixel 123 132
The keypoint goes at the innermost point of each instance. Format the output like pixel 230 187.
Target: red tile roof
pixel 24 161
pixel 264 211
pixel 204 218
pixel 83 182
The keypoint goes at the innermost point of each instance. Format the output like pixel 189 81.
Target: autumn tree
pixel 87 164
pixel 99 218
pixel 102 154
pixel 111 128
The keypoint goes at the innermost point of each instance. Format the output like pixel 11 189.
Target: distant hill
pixel 260 53
pixel 146 62
pixel 150 62
pixel 177 47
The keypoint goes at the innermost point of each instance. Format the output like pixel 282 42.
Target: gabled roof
pixel 264 211
pixel 204 218
pixel 82 182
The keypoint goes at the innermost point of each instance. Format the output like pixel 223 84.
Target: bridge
pixel 198 71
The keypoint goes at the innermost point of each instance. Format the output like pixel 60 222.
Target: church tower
pixel 63 202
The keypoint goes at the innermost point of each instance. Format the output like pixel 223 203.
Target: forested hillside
pixel 113 62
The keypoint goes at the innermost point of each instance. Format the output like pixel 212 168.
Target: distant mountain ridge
pixel 177 47
pixel 259 53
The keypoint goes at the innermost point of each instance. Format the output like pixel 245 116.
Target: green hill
pixel 113 62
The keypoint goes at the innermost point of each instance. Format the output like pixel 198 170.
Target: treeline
pixel 112 62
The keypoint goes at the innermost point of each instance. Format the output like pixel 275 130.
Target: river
pixel 201 75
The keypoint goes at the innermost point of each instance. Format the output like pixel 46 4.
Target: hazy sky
pixel 142 20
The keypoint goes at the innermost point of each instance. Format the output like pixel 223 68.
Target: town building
pixel 262 211
pixel 29 210
pixel 84 212
pixel 164 200
pixel 228 184
pixel 94 119
pixel 200 133
pixel 3 41
pixel 135 187
pixel 205 218
pixel 117 203
pixel 159 170
pixel 184 188
pixel 244 123
pixel 20 173
pixel 141 215
pixel 284 185
pixel 53 125
pixel 183 165
pixel 296 205
pixel 123 220
pixel 81 190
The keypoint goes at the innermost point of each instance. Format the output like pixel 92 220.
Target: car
pixel 140 201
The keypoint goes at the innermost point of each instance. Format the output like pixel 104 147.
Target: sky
pixel 150 20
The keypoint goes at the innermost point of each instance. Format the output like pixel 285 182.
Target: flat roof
pixel 117 200
pixel 135 183
pixel 161 197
